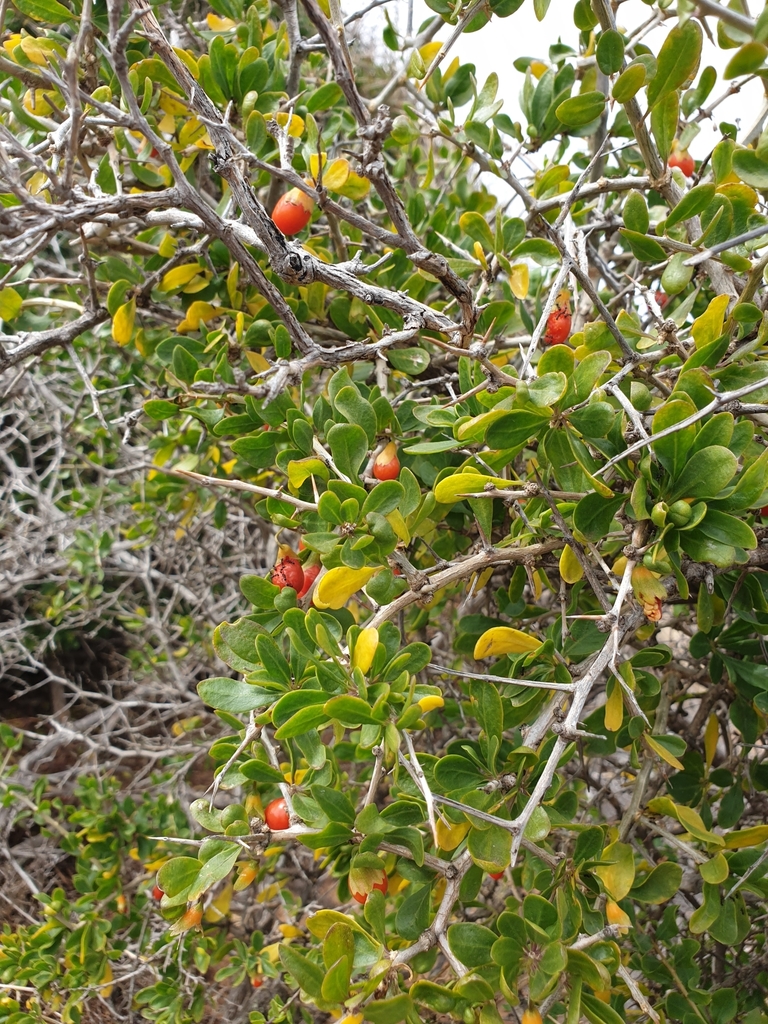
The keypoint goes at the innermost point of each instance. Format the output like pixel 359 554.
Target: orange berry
pixel 293 211
pixel 276 815
pixel 387 464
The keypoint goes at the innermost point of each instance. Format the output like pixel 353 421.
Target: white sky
pixel 497 45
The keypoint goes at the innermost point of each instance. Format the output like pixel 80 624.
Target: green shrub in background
pixel 488 742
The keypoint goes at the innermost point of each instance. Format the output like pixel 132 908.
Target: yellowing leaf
pixel 691 821
pixel 171 104
pixel 617 872
pixel 480 255
pixel 518 280
pixel 256 361
pixel 663 753
pixel 219 908
pixel 398 524
pixel 746 837
pixel 614 707
pixel 452 488
pixel 336 174
pixel 538 67
pixel 355 187
pixel 106 991
pixel 570 567
pixel 122 322
pixel 504 640
pixel 294 126
pixel 339 584
pixel 449 836
pixel 365 649
pixel 10 303
pixel 179 276
pixel 198 311
pixel 711 734
pixel 709 326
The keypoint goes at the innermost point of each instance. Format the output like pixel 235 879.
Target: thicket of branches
pixel 384 608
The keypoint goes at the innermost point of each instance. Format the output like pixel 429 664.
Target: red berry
pixel 382 885
pixel 288 573
pixel 257 981
pixel 683 160
pixel 293 211
pixel 387 464
pixel 496 875
pixel 310 575
pixel 764 510
pixel 276 815
pixel 157 893
pixel 661 299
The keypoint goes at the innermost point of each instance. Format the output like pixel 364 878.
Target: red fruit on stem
pixel 276 815
pixel 387 464
pixel 288 573
pixel 682 158
pixel 382 885
pixel 559 320
pixel 157 893
pixel 310 575
pixel 661 299
pixel 257 981
pixel 764 510
pixel 293 211
pixel 496 875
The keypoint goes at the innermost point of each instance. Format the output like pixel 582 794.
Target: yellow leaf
pixel 449 836
pixel 217 24
pixel 219 907
pixel 167 123
pixel 191 131
pixel 122 322
pixel 365 649
pixel 711 734
pixel 570 567
pixel 396 521
pixel 256 361
pixel 518 280
pixel 198 311
pixel 483 578
pixel 429 51
pixel 179 276
pixel 663 753
pixel 692 821
pixel 614 707
pixel 746 837
pixel 172 104
pixel 617 871
pixel 106 991
pixel 451 488
pixel 339 584
pixel 336 174
pixel 431 702
pixel 538 67
pixel 480 255
pixel 294 127
pixel 504 640
pixel 315 162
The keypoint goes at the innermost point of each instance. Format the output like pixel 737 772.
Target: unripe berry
pixel 531 1016
pixel 683 160
pixel 382 885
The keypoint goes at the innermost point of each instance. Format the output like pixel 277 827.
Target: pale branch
pixel 536 684
pixel 34 343
pixel 236 485
pixel 462 569
pixel 718 402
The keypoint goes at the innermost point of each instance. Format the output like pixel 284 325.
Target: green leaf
pixel 490 847
pixel 672 450
pixel 308 975
pixel 214 869
pixel 260 592
pixel 635 212
pixel 476 227
pixel 582 109
pixel 645 248
pixel 324 97
pixel 233 695
pixel 617 870
pixel 515 428
pixel 412 361
pixel 349 446
pixel 413 915
pixel 178 874
pixel 694 202
pixel 355 409
pixel 677 61
pixel 545 253
pixel 471 943
pixel 610 51
pixel 705 474
pixel 390 1011
pixel 594 514
pixel 664 119
pixel 751 167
